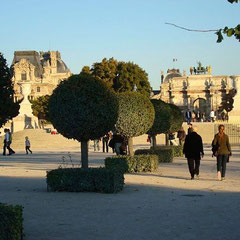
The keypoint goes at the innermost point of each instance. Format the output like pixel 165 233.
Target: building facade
pixel 44 70
pixel 197 92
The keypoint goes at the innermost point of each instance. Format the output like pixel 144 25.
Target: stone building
pixel 198 92
pixel 44 70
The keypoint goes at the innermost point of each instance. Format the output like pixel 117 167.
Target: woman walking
pixel 223 152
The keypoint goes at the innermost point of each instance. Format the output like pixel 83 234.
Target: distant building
pixel 198 92
pixel 44 70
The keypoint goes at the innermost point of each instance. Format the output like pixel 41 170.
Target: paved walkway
pixel 161 205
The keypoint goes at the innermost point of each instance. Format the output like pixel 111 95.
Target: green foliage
pixel 85 180
pixel 227 101
pixel 137 163
pixel 120 76
pixel 11 222
pixel 177 150
pixel 130 75
pixel 40 107
pixel 106 71
pixel 83 108
pixel 229 32
pixel 176 118
pixel 8 109
pixel 164 155
pixel 136 114
pixel 162 118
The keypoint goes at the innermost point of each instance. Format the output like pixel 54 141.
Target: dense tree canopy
pixel 120 76
pixel 168 119
pixel 40 107
pixel 227 101
pixel 83 108
pixel 135 115
pixel 8 109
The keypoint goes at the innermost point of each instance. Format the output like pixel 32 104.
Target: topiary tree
pixel 162 118
pixel 135 116
pixel 8 109
pixel 176 119
pixel 83 108
pixel 168 119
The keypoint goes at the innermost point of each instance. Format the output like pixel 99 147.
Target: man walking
pixel 188 116
pixel 193 150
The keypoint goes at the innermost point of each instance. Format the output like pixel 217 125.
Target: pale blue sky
pixel 86 31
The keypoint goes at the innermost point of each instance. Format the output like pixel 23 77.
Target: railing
pixel 232 130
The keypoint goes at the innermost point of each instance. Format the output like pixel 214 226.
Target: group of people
pixel 8 141
pixel 193 150
pixel 117 142
pixel 197 116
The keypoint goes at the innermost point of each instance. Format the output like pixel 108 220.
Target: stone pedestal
pixel 25 118
pixel 234 115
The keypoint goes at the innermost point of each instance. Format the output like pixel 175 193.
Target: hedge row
pixel 177 150
pixel 11 222
pixel 164 155
pixel 85 180
pixel 137 163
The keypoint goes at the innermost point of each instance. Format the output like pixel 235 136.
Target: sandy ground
pixel 161 205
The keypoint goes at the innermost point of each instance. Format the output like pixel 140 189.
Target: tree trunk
pixel 130 146
pixel 154 139
pixel 167 139
pixel 84 154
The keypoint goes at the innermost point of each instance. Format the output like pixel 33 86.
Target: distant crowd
pixel 197 116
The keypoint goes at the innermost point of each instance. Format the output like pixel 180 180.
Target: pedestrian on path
pixel 7 142
pixel 27 145
pixel 224 151
pixel 193 150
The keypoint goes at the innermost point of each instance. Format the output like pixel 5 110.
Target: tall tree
pixel 120 76
pixel 8 109
pixel 40 107
pixel 129 76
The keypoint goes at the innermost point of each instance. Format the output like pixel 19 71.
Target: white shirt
pixel 212 114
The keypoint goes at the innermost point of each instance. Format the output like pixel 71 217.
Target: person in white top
pixel 27 145
pixel 212 116
pixel 7 142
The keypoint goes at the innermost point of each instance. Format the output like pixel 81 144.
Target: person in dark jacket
pixel 193 150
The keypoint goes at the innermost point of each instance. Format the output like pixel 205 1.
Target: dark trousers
pixel 105 144
pixel 6 145
pixel 221 163
pixel 193 166
pixel 28 149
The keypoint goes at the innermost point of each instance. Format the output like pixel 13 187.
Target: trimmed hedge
pixel 177 150
pixel 136 163
pixel 11 222
pixel 85 180
pixel 164 155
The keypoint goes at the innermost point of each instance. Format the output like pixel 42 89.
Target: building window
pixel 38 89
pixel 24 76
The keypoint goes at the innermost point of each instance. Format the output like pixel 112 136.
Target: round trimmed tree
pixel 83 108
pixel 162 121
pixel 176 119
pixel 135 116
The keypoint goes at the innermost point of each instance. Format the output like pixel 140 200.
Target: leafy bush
pixel 177 150
pixel 11 222
pixel 85 180
pixel 164 155
pixel 137 163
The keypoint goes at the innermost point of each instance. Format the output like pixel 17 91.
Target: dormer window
pixel 38 89
pixel 24 76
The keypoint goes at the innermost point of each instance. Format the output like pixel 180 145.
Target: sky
pixel 86 31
